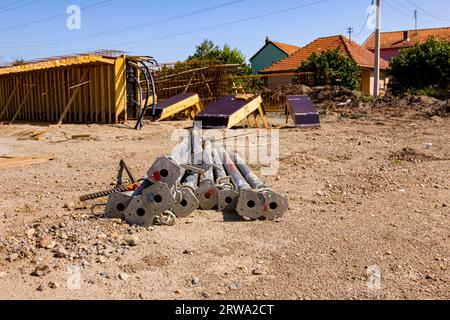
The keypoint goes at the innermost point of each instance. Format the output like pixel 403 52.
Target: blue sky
pixel 169 30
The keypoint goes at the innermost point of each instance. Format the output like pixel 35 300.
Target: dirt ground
pixel 364 194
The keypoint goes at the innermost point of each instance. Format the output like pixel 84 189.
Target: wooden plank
pixel 32 135
pixel 85 91
pixel 23 101
pixel 59 89
pixel 102 93
pixel 243 113
pixel 38 99
pixel 57 63
pixel 5 107
pixel 180 107
pixel 53 102
pixel 97 96
pixel 46 98
pixel 258 124
pixel 62 87
pixel 72 99
pixel 120 89
pixel 250 121
pixel 26 111
pixel 31 101
pixel 91 96
pixel 199 107
pixel 11 162
pixel 79 103
pixel 109 100
pixel 263 116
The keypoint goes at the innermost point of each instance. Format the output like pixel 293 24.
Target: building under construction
pixel 101 87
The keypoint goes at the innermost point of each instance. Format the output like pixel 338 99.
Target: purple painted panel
pixel 225 106
pixel 304 111
pixel 218 114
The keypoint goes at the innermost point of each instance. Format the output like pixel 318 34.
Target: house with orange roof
pixel 284 71
pixel 270 53
pixel 391 43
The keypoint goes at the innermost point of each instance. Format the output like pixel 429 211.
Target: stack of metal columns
pixel 198 174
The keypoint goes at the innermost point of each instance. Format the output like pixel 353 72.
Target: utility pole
pixel 350 32
pixel 415 18
pixel 376 91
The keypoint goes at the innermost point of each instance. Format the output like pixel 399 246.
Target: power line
pixel 402 5
pixel 410 16
pixel 398 10
pixel 414 10
pixel 11 4
pixel 123 29
pixel 365 22
pixel 94 5
pixel 219 25
pixel 19 5
pixel 429 13
pixel 222 24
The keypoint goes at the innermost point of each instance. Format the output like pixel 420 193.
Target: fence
pixel 209 80
pixel 272 86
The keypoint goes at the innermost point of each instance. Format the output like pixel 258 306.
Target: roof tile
pixel 287 48
pixel 396 40
pixel 360 55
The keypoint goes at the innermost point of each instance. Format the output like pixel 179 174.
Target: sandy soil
pixel 358 200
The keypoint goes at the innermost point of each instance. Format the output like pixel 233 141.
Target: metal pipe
pixel 230 167
pixel 197 149
pixel 228 196
pixel 274 205
pixel 219 170
pixel 187 201
pixel 169 170
pixel 191 181
pixel 207 192
pixel 251 178
pixel 208 160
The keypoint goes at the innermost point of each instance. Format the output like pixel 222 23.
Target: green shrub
pixel 208 51
pixel 424 66
pixel 366 99
pixel 332 68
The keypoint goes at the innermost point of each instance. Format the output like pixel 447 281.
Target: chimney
pixel 267 39
pixel 406 36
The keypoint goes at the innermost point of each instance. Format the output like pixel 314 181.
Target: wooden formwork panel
pixel 91 93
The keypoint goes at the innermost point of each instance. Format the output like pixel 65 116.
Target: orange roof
pixel 363 57
pixel 396 39
pixel 287 48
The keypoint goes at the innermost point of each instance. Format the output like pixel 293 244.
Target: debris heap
pixel 198 175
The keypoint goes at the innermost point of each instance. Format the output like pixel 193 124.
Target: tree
pixel 18 62
pixel 207 50
pixel 332 68
pixel 424 65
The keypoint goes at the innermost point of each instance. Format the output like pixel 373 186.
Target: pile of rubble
pixel 336 98
pixel 198 174
pixel 318 94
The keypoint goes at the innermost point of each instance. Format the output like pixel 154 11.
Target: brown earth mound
pixel 411 155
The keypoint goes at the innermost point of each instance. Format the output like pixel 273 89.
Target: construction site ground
pixel 365 193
